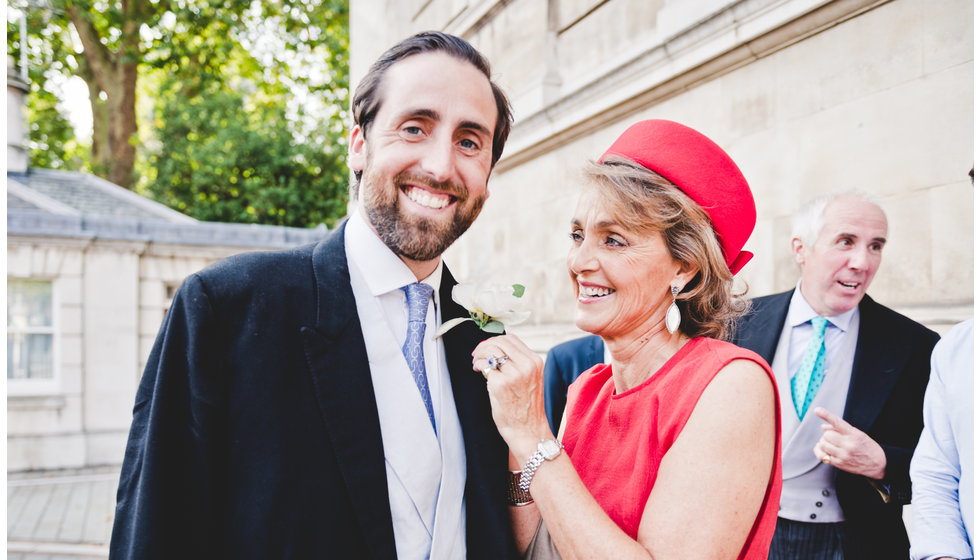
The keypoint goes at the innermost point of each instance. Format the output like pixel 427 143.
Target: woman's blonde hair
pixel 644 201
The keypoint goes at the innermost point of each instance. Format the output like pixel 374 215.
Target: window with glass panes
pixel 30 330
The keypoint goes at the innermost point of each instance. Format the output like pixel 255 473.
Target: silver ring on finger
pixel 496 361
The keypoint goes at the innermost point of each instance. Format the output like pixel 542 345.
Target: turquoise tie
pixel 418 296
pixel 809 376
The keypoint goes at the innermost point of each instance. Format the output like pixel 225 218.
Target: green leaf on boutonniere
pixel 492 307
pixel 495 327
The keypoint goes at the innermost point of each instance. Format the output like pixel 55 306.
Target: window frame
pixel 52 385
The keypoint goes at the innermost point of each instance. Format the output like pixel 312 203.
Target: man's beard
pixel 413 237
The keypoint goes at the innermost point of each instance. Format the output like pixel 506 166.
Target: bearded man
pixel 295 404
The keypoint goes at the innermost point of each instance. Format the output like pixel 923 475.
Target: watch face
pixel 549 448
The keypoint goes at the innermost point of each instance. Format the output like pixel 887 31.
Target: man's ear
pixel 798 250
pixel 356 156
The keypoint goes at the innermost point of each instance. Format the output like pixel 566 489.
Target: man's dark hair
pixel 367 97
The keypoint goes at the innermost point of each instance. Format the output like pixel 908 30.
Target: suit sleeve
pixel 167 493
pixel 899 455
pixel 555 390
pixel 896 485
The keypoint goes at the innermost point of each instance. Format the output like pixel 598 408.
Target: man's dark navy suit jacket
pixel 255 431
pixel 884 400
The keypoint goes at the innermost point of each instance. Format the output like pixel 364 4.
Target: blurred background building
pixel 808 96
pixel 91 270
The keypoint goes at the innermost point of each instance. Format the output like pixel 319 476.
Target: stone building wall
pixel 56 414
pixel 809 97
pixel 162 269
pixel 109 299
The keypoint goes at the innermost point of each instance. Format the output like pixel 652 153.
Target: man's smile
pixel 427 198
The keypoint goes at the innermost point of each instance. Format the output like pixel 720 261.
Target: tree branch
pixel 98 55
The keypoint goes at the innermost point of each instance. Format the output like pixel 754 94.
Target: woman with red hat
pixel 671 450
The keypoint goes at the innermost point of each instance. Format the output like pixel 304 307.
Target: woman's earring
pixel 673 312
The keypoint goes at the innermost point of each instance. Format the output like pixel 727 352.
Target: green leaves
pixel 51 143
pixel 236 140
pixel 495 327
pixel 224 158
pixel 241 104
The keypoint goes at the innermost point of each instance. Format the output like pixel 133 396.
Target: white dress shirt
pixel 384 275
pixel 426 470
pixel 942 465
pixel 809 494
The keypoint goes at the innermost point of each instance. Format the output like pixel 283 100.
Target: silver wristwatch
pixel 548 449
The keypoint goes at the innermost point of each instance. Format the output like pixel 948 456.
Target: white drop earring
pixel 673 319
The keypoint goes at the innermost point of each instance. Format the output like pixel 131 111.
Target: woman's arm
pixel 709 488
pixel 578 525
pixel 523 519
pixel 712 481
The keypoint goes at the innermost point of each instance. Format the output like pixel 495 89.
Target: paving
pixel 67 515
pixel 60 515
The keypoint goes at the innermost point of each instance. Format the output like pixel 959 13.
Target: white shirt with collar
pixel 808 487
pixel 942 465
pixel 426 472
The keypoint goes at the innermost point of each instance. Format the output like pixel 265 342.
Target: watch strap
pixel 515 495
pixel 535 461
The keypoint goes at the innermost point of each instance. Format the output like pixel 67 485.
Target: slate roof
pixel 16 203
pixel 91 195
pixel 49 202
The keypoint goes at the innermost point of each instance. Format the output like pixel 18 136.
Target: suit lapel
pixel 762 325
pixel 338 364
pixel 486 454
pixel 878 359
pixel 410 445
pixel 598 354
pixel 468 386
pixel 459 342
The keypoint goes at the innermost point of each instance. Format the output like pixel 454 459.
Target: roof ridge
pixel 83 193
pixel 17 188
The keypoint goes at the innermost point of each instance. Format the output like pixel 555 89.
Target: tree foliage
pixel 51 138
pixel 227 157
pixel 235 142
pixel 241 115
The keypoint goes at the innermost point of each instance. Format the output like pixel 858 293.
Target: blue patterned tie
pixel 418 296
pixel 808 378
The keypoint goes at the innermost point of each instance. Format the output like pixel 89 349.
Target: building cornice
pixel 699 49
pixel 28 224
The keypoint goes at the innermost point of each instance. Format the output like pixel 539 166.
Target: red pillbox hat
pixel 702 171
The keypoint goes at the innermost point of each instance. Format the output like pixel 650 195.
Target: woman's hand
pixel 516 395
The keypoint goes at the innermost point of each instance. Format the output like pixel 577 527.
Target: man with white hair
pixel 851 376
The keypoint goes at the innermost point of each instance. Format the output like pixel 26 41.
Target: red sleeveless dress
pixel 617 442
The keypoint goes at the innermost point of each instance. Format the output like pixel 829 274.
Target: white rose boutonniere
pixel 492 307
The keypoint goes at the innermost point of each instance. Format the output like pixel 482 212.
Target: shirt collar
pixel 801 312
pixel 382 269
